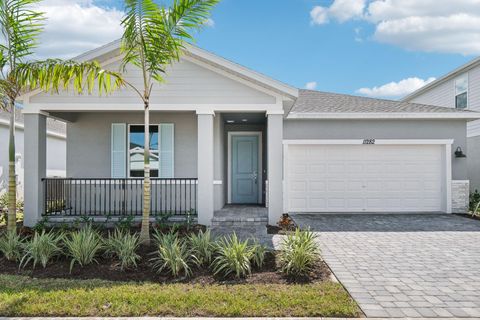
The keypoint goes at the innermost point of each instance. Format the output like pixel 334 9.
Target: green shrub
pixel 42 248
pixel 11 246
pixel 202 248
pixel 474 200
pixel 259 252
pixel 123 245
pixel 233 257
pixel 83 245
pixel 299 253
pixel 125 223
pixel 172 255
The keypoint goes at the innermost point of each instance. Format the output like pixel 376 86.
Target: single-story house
pixel 458 89
pixel 56 149
pixel 224 134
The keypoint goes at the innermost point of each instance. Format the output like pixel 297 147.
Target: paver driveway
pixel 404 265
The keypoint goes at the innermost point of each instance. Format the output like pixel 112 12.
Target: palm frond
pixel 155 36
pixel 20 26
pixel 53 75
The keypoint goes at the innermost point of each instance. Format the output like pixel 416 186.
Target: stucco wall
pixel 89 141
pixel 385 129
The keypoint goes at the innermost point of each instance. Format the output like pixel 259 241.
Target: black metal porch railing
pixel 118 197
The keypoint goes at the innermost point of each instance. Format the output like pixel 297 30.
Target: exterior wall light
pixel 459 153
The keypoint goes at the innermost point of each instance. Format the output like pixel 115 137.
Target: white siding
pixel 444 95
pixel 186 83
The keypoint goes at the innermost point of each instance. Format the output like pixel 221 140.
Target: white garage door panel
pixel 364 178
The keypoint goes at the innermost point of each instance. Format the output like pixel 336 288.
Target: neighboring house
pixel 225 134
pixel 459 89
pixel 56 149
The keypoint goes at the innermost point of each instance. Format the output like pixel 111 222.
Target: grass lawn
pixel 25 296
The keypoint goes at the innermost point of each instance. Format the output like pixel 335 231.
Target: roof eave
pixel 383 115
pixel 284 89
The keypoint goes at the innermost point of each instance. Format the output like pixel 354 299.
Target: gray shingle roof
pixel 310 101
pixel 52 124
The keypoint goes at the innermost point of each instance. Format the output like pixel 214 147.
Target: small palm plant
pixel 123 246
pixel 83 246
pixel 202 248
pixel 259 253
pixel 11 245
pixel 233 257
pixel 299 253
pixel 172 255
pixel 42 248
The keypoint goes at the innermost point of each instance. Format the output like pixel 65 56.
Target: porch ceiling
pixel 244 118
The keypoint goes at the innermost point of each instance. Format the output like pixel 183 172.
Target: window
pixel 136 147
pixel 461 92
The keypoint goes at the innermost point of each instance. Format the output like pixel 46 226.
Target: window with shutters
pixel 161 151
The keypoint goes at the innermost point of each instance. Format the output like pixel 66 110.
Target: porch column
pixel 275 167
pixel 35 162
pixel 205 168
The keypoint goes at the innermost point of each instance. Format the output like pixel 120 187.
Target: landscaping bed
pixel 185 271
pixel 106 269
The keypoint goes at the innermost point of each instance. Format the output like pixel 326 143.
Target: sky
pixel 375 48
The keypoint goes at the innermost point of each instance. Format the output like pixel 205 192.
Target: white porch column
pixel 35 162
pixel 275 167
pixel 205 164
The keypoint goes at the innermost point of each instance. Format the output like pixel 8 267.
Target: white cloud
pixel 76 26
pixel 311 85
pixel 210 23
pixel 340 10
pixel 427 25
pixel 395 89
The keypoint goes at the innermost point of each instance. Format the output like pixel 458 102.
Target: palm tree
pixel 20 26
pixel 155 37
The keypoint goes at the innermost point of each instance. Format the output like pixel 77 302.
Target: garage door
pixel 364 178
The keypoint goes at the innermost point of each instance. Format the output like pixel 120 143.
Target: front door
pixel 244 166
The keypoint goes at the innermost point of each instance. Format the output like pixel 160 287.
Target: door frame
pixel 260 162
pixel 446 161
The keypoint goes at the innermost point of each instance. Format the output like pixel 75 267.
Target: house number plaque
pixel 368 141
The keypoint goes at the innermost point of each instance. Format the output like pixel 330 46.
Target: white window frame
pixel 455 94
pixel 159 146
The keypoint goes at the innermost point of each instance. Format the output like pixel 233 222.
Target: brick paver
pixel 421 265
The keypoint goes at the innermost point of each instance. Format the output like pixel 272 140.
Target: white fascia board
pixel 289 91
pixel 199 108
pixel 393 115
pixel 21 126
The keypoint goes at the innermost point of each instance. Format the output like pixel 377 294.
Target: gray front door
pixel 245 175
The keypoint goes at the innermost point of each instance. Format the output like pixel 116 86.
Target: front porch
pixel 205 152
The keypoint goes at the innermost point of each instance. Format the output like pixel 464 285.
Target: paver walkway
pixel 404 265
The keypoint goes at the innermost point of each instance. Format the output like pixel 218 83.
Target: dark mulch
pixel 106 269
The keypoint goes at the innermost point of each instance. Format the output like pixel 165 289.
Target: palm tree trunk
pixel 145 229
pixel 12 178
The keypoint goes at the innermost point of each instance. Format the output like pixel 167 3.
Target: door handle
pixel 255 176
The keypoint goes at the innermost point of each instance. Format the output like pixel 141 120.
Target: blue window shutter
pixel 119 150
pixel 166 146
